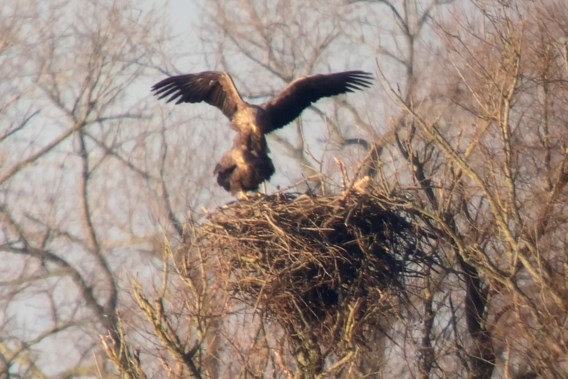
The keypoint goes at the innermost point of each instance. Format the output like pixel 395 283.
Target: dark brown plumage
pixel 247 164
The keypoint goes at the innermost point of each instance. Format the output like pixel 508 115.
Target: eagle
pixel 247 164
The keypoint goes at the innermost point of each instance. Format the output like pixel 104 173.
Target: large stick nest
pixel 338 265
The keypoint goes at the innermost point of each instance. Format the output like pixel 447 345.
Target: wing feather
pixel 213 87
pixel 302 92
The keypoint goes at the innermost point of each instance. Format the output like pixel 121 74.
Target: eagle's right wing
pixel 302 92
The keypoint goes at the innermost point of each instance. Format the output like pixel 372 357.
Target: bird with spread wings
pixel 247 164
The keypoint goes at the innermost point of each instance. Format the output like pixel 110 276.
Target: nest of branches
pixel 336 266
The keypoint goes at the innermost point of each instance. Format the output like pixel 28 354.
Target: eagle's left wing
pixel 213 87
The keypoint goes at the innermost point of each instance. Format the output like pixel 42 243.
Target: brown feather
pixel 302 92
pixel 243 168
pixel 214 88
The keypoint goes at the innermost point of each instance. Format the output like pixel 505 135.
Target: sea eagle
pixel 247 164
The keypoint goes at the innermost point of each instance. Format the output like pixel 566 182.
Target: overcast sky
pixel 183 14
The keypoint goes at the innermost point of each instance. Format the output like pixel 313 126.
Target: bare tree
pixel 100 188
pixel 451 160
pixel 485 132
pixel 83 173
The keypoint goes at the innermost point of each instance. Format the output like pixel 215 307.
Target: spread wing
pixel 302 92
pixel 215 88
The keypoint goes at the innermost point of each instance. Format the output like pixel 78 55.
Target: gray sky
pixel 183 14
